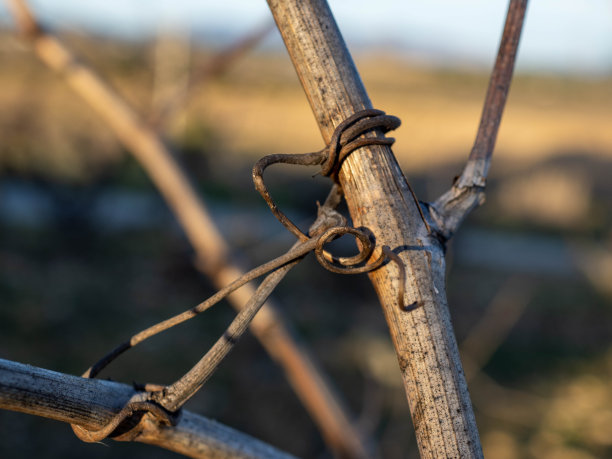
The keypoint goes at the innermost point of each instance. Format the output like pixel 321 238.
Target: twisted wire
pixel 344 141
pixel 165 401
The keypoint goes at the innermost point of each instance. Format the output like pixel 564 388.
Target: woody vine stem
pixel 389 223
pixel 380 199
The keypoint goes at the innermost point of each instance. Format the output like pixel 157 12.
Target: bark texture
pixel 380 200
pixel 92 403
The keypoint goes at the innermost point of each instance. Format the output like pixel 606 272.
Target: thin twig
pixel 216 66
pixel 296 252
pixel 497 93
pixel 467 192
pixel 174 396
pixel 303 374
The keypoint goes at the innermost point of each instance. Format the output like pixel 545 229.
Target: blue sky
pixel 570 36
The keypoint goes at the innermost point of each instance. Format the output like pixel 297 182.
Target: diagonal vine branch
pixel 305 377
pixel 467 193
pixel 218 64
pixel 175 395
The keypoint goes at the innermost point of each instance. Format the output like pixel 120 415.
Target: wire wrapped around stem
pixel 328 226
pixel 345 140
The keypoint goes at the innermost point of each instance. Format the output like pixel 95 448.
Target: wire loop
pixel 346 265
pixel 139 403
pixel 345 140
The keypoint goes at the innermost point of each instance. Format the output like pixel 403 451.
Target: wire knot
pixel 347 138
pixel 126 424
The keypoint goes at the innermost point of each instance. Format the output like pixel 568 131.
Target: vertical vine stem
pixel 379 199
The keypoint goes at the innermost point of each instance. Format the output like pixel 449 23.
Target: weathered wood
pixel 379 199
pixel 91 403
pixel 304 375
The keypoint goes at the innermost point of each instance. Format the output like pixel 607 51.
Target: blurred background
pixel 90 253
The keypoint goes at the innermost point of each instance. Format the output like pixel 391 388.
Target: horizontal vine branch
pixel 92 403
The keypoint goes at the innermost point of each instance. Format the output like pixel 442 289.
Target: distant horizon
pixel 560 36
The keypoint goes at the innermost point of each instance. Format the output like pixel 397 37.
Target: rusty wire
pixel 345 140
pixel 164 402
pixel 138 403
